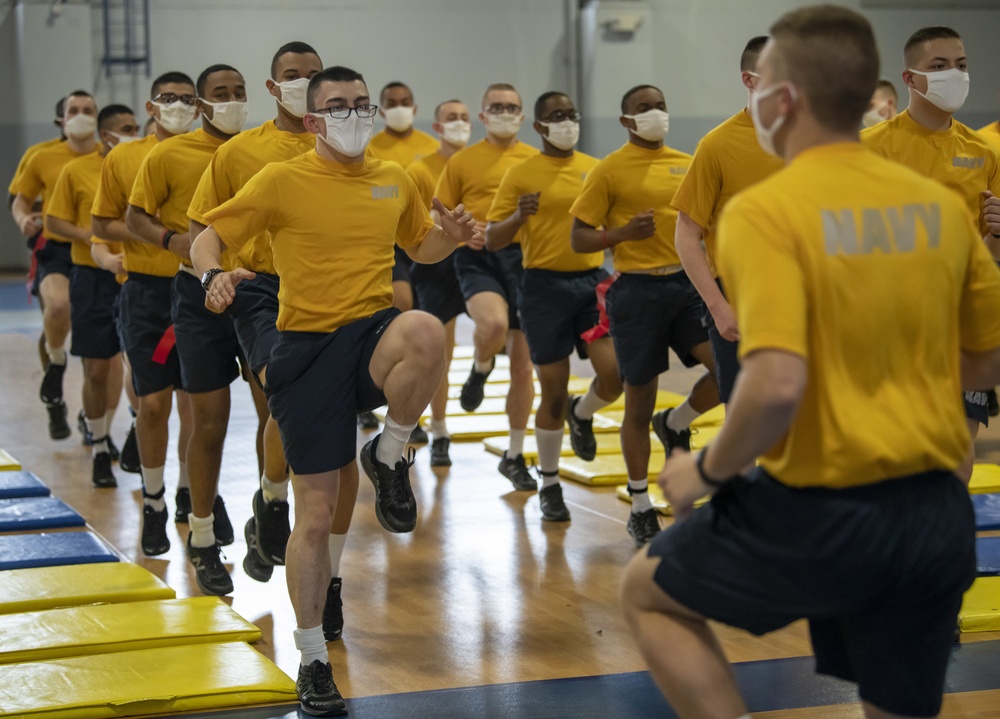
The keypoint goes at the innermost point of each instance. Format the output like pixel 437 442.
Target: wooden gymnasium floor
pixel 483 595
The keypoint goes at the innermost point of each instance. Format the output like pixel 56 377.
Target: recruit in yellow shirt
pixel 727 160
pixel 877 277
pixel 545 237
pixel 991 133
pixel 333 229
pixel 404 150
pixel 472 175
pixel 23 162
pixel 73 197
pixel 957 157
pixel 231 168
pixel 41 172
pixel 121 166
pixel 631 180
pixel 425 174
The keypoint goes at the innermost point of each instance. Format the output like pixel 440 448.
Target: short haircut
pixel 505 86
pixel 203 77
pixel 634 90
pixel 169 78
pixel 888 87
pixel 748 60
pixel 829 54
pixel 543 98
pixel 914 46
pixel 109 112
pixel 337 73
pixel 61 107
pixel 391 85
pixel 295 47
pixel 76 93
pixel 437 110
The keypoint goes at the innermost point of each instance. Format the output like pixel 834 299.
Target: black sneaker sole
pixel 254 566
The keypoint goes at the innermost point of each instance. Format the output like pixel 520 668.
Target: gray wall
pixel 442 49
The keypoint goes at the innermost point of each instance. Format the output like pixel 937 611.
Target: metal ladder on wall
pixel 126 37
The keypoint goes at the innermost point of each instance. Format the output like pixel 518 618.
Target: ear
pixel 482 117
pixel 150 108
pixel 272 88
pixel 414 110
pixel 627 122
pixel 202 109
pixel 907 78
pixel 380 113
pixel 438 128
pixel 541 129
pixel 312 124
pixel 747 79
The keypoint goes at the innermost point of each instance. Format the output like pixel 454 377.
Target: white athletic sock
pixel 549 479
pixel 516 443
pixel 680 418
pixel 640 495
pixel 392 441
pixel 439 428
pixel 549 448
pixel 312 645
pixel 484 367
pixel 183 481
pixel 202 530
pixel 588 404
pixel 152 483
pixel 273 490
pixel 57 355
pixel 98 429
pixel 336 543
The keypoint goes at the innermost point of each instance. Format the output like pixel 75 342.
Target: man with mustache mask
pixel 334 216
pixel 652 306
pixel 927 138
pixel 558 292
pixel 436 285
pixel 206 342
pixel 490 280
pixel 55 264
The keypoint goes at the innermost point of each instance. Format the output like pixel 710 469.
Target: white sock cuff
pixel 680 418
pixel 312 645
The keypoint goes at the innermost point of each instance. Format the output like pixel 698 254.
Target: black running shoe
pixel 317 692
pixel 367 420
pixel 395 505
pixel 103 476
pixel 418 435
pixel 993 403
pixel 439 452
pixel 473 389
pixel 183 501
pixel 58 426
pixel 553 507
pixel 333 611
pixel 272 528
pixel 81 424
pixel 670 439
pixel 581 433
pixel 210 572
pixel 223 528
pixel 51 391
pixel 517 472
pixel 154 530
pixel 129 460
pixel 113 450
pixel 255 567
pixel 643 526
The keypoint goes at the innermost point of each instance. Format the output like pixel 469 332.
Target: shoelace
pixel 400 485
pixel 322 679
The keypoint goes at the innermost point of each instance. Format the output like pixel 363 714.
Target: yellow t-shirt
pixel 231 168
pixel 404 150
pixel 333 229
pixel 957 157
pixel 877 278
pixel 991 133
pixel 472 175
pixel 72 199
pixel 545 237
pixel 23 162
pixel 118 174
pixel 41 173
pixel 727 160
pixel 425 174
pixel 631 180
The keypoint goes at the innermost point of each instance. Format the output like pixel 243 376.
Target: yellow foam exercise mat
pixel 165 680
pixel 607 443
pixel 38 588
pixel 477 427
pixel 985 479
pixel 659 502
pixel 981 606
pixel 606 469
pixel 7 462
pixel 713 418
pixel 104 628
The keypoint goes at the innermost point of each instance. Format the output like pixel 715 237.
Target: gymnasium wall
pixel 443 49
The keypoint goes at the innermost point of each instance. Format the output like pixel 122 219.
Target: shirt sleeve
pixel 252 211
pixel 150 189
pixel 978 316
pixel 424 182
pixel 699 190
pixel 213 189
pixel 29 182
pixel 594 203
pixel 506 199
pixel 60 202
pixel 449 186
pixel 111 199
pixel 415 219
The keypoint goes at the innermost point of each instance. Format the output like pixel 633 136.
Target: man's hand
pixel 725 321
pixel 991 212
pixel 460 225
pixel 640 227
pixel 222 290
pixel 681 483
pixel 31 224
pixel 527 205
pixel 114 264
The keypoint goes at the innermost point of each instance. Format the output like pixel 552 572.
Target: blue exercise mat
pixel 988 556
pixel 30 513
pixel 987 508
pixel 21 484
pixel 21 551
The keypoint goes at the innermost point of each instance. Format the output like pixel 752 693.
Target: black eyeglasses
pixel 498 108
pixel 169 98
pixel 561 115
pixel 342 113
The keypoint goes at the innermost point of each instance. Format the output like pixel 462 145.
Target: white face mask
pixel 456 132
pixel 562 135
pixel 228 117
pixel 80 127
pixel 651 125
pixel 946 89
pixel 504 125
pixel 123 139
pixel 874 116
pixel 349 137
pixel 399 118
pixel 293 96
pixel 765 135
pixel 176 118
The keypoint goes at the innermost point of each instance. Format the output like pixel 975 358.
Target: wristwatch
pixel 206 279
